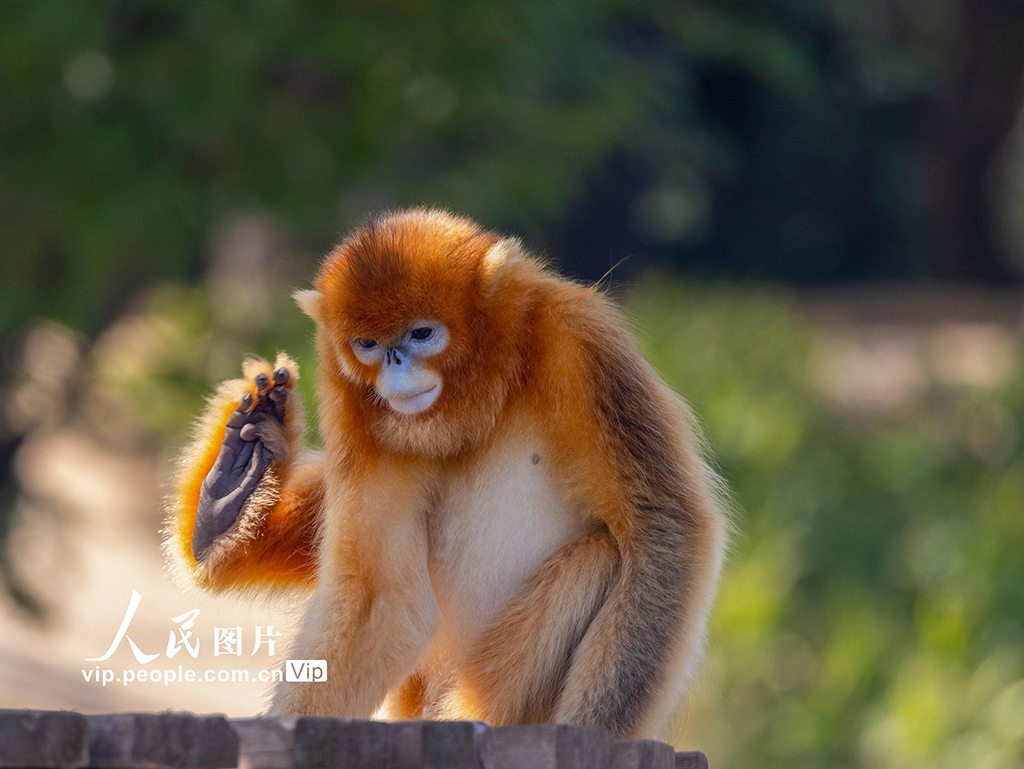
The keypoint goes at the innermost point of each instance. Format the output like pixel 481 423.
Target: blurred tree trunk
pixel 979 109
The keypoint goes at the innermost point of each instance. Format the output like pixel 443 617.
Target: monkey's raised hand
pixel 244 512
pixel 253 438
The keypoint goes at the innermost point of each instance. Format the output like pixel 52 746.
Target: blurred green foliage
pixel 871 612
pixel 131 128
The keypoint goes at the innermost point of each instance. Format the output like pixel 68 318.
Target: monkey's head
pixel 419 328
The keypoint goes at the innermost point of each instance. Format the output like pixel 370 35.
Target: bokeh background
pixel 812 209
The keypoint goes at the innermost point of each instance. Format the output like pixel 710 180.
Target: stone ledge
pixel 161 739
pixel 43 739
pixel 68 740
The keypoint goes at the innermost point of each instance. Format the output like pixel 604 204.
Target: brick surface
pixel 642 754
pixel 693 759
pixel 451 744
pixel 67 740
pixel 406 744
pixel 265 743
pixel 43 739
pixel 436 744
pixel 111 740
pixel 548 746
pixel 323 743
pixel 176 740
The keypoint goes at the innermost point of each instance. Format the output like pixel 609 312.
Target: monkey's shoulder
pixel 589 375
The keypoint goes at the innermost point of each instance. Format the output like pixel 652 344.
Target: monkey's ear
pixel 499 258
pixel 309 302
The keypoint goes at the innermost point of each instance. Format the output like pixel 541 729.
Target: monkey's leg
pixel 638 654
pixel 374 610
pixel 517 669
pixel 243 514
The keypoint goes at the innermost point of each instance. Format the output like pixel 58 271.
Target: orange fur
pixel 542 542
pixel 406 700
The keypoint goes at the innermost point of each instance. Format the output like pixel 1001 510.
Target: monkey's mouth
pixel 413 404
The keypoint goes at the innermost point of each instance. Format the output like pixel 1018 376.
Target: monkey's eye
pixel 424 332
pixel 366 344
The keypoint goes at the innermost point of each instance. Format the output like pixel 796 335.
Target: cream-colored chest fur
pixel 494 524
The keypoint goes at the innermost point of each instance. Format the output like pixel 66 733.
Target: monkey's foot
pixel 253 438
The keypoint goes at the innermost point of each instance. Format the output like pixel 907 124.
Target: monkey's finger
pixel 248 432
pixel 241 460
pixel 285 366
pixel 257 467
pixel 278 398
pixel 241 414
pixel 262 383
pixel 231 444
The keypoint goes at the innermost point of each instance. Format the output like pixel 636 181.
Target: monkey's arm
pixel 651 487
pixel 374 610
pixel 244 514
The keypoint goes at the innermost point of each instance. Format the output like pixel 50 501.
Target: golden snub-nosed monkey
pixel 511 520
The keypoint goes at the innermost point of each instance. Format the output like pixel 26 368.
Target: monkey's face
pixel 402 373
pixel 414 338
